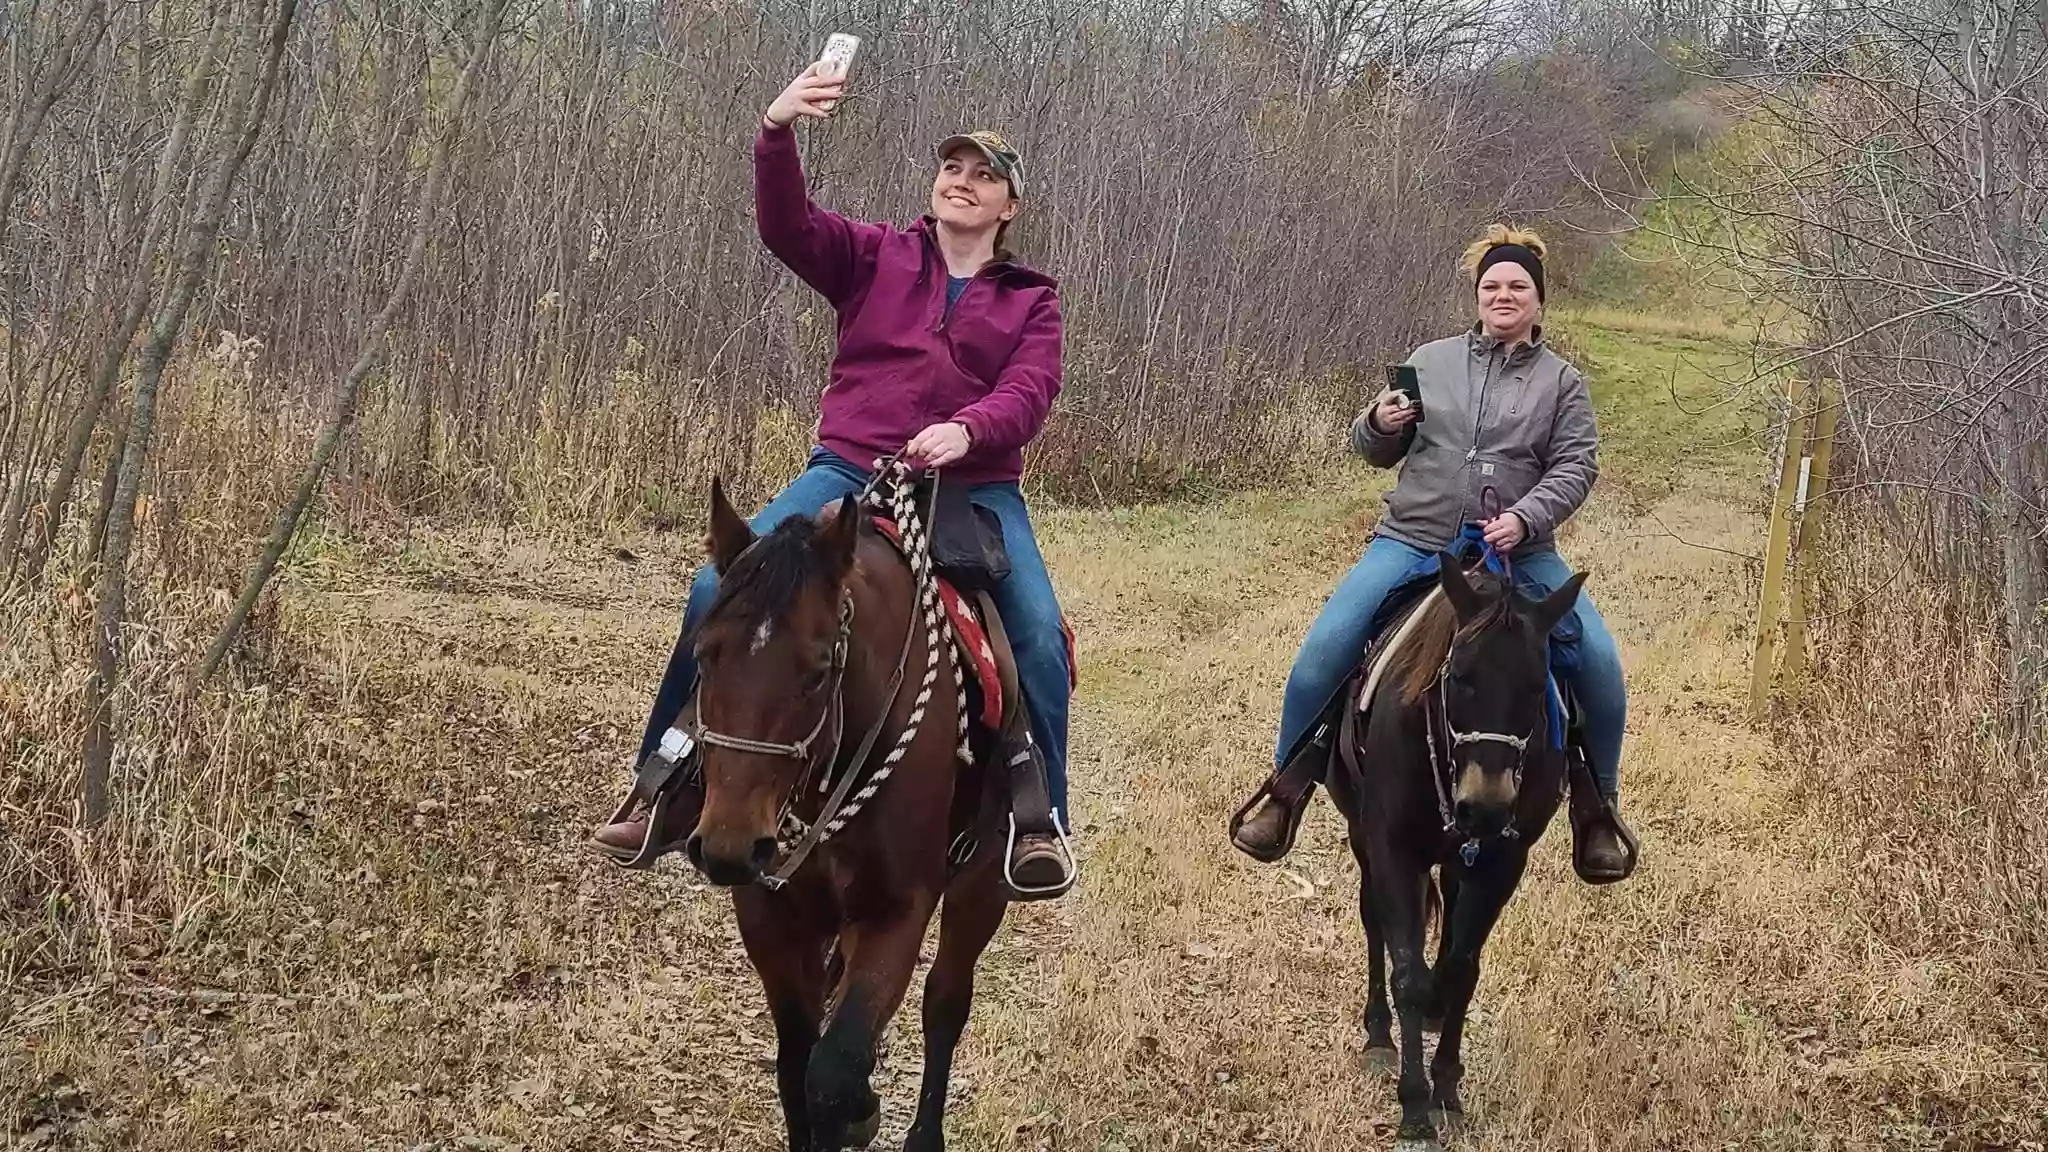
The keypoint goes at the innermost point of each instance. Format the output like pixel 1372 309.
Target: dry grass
pixel 349 910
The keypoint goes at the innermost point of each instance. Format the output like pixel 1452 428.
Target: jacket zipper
pixel 1479 409
pixel 946 311
pixel 1478 421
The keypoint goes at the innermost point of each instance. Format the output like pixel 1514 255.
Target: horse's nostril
pixel 1461 813
pixel 693 850
pixel 764 852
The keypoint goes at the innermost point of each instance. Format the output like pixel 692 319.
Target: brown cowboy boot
pixel 673 819
pixel 1604 849
pixel 1270 835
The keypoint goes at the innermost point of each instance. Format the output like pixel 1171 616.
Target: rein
pixel 797 838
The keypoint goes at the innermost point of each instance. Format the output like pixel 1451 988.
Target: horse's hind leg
pixel 879 957
pixel 973 911
pixel 791 961
pixel 1485 892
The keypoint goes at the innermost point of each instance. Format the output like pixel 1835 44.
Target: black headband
pixel 1515 254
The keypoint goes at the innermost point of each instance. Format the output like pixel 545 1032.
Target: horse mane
pixel 764 583
pixel 1415 667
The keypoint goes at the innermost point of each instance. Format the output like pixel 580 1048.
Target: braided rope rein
pixel 917 549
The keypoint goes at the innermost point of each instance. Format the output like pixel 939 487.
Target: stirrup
pixel 657 777
pixel 1302 775
pixel 1295 814
pixel 1022 893
pixel 1605 815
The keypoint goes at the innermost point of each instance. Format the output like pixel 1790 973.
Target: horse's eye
pixel 814 682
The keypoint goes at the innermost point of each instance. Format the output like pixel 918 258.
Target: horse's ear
pixel 840 533
pixel 1465 600
pixel 729 534
pixel 1557 605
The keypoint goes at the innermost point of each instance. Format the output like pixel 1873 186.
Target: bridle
pixel 1442 769
pixel 834 710
pixel 794 837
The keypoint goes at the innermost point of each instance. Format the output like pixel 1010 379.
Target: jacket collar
pixel 1012 270
pixel 1484 343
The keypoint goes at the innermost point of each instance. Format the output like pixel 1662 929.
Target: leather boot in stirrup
pixel 1604 849
pixel 1039 864
pixel 1269 835
pixel 642 830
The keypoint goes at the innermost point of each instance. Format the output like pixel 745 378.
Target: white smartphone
pixel 837 58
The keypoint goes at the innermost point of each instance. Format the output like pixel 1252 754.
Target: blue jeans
pixel 1336 642
pixel 1030 612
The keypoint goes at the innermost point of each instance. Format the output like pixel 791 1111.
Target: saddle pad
pixel 972 639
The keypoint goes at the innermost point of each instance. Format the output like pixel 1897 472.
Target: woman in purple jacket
pixel 949 349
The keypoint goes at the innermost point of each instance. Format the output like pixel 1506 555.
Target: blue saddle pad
pixel 1564 639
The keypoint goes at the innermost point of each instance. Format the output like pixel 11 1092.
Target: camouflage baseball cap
pixel 995 150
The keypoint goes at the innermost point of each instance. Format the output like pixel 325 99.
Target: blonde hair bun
pixel 1495 236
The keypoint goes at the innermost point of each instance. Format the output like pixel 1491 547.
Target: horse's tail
pixel 1432 903
pixel 835 965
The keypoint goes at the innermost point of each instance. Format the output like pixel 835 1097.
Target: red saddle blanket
pixel 972 640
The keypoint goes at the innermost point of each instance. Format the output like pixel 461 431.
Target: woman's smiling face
pixel 969 194
pixel 1507 301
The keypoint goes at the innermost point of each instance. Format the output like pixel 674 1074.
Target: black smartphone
pixel 1401 378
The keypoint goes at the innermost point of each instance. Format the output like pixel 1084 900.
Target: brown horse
pixel 1453 768
pixel 839 808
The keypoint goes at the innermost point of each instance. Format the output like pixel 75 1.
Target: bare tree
pixel 243 116
pixel 338 422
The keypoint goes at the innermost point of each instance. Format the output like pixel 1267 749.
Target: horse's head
pixel 771 652
pixel 1495 690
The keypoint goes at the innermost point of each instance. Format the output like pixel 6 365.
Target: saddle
pixel 969 559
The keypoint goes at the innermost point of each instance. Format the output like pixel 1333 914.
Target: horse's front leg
pixel 1484 891
pixel 1397 896
pixel 974 910
pixel 1379 1019
pixel 880 956
pixel 789 953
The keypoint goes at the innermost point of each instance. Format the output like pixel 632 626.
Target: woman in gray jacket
pixel 1505 412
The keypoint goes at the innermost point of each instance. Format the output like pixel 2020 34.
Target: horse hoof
pixel 1381 1059
pixel 1416 1136
pixel 862 1133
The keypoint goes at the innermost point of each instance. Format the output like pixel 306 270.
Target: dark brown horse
pixel 838 808
pixel 1453 770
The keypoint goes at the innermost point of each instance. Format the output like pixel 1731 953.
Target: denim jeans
pixel 1336 642
pixel 1030 611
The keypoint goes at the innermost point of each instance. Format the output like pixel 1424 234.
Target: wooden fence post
pixel 1775 554
pixel 1821 453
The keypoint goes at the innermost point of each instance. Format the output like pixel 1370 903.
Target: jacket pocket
pixel 1426 494
pixel 981 347
pixel 1511 475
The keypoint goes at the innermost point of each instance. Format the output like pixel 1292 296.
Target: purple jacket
pixel 902 364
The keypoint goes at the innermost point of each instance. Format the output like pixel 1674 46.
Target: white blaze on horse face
pixel 761 635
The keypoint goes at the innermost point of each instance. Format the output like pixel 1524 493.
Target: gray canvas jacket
pixel 1520 421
